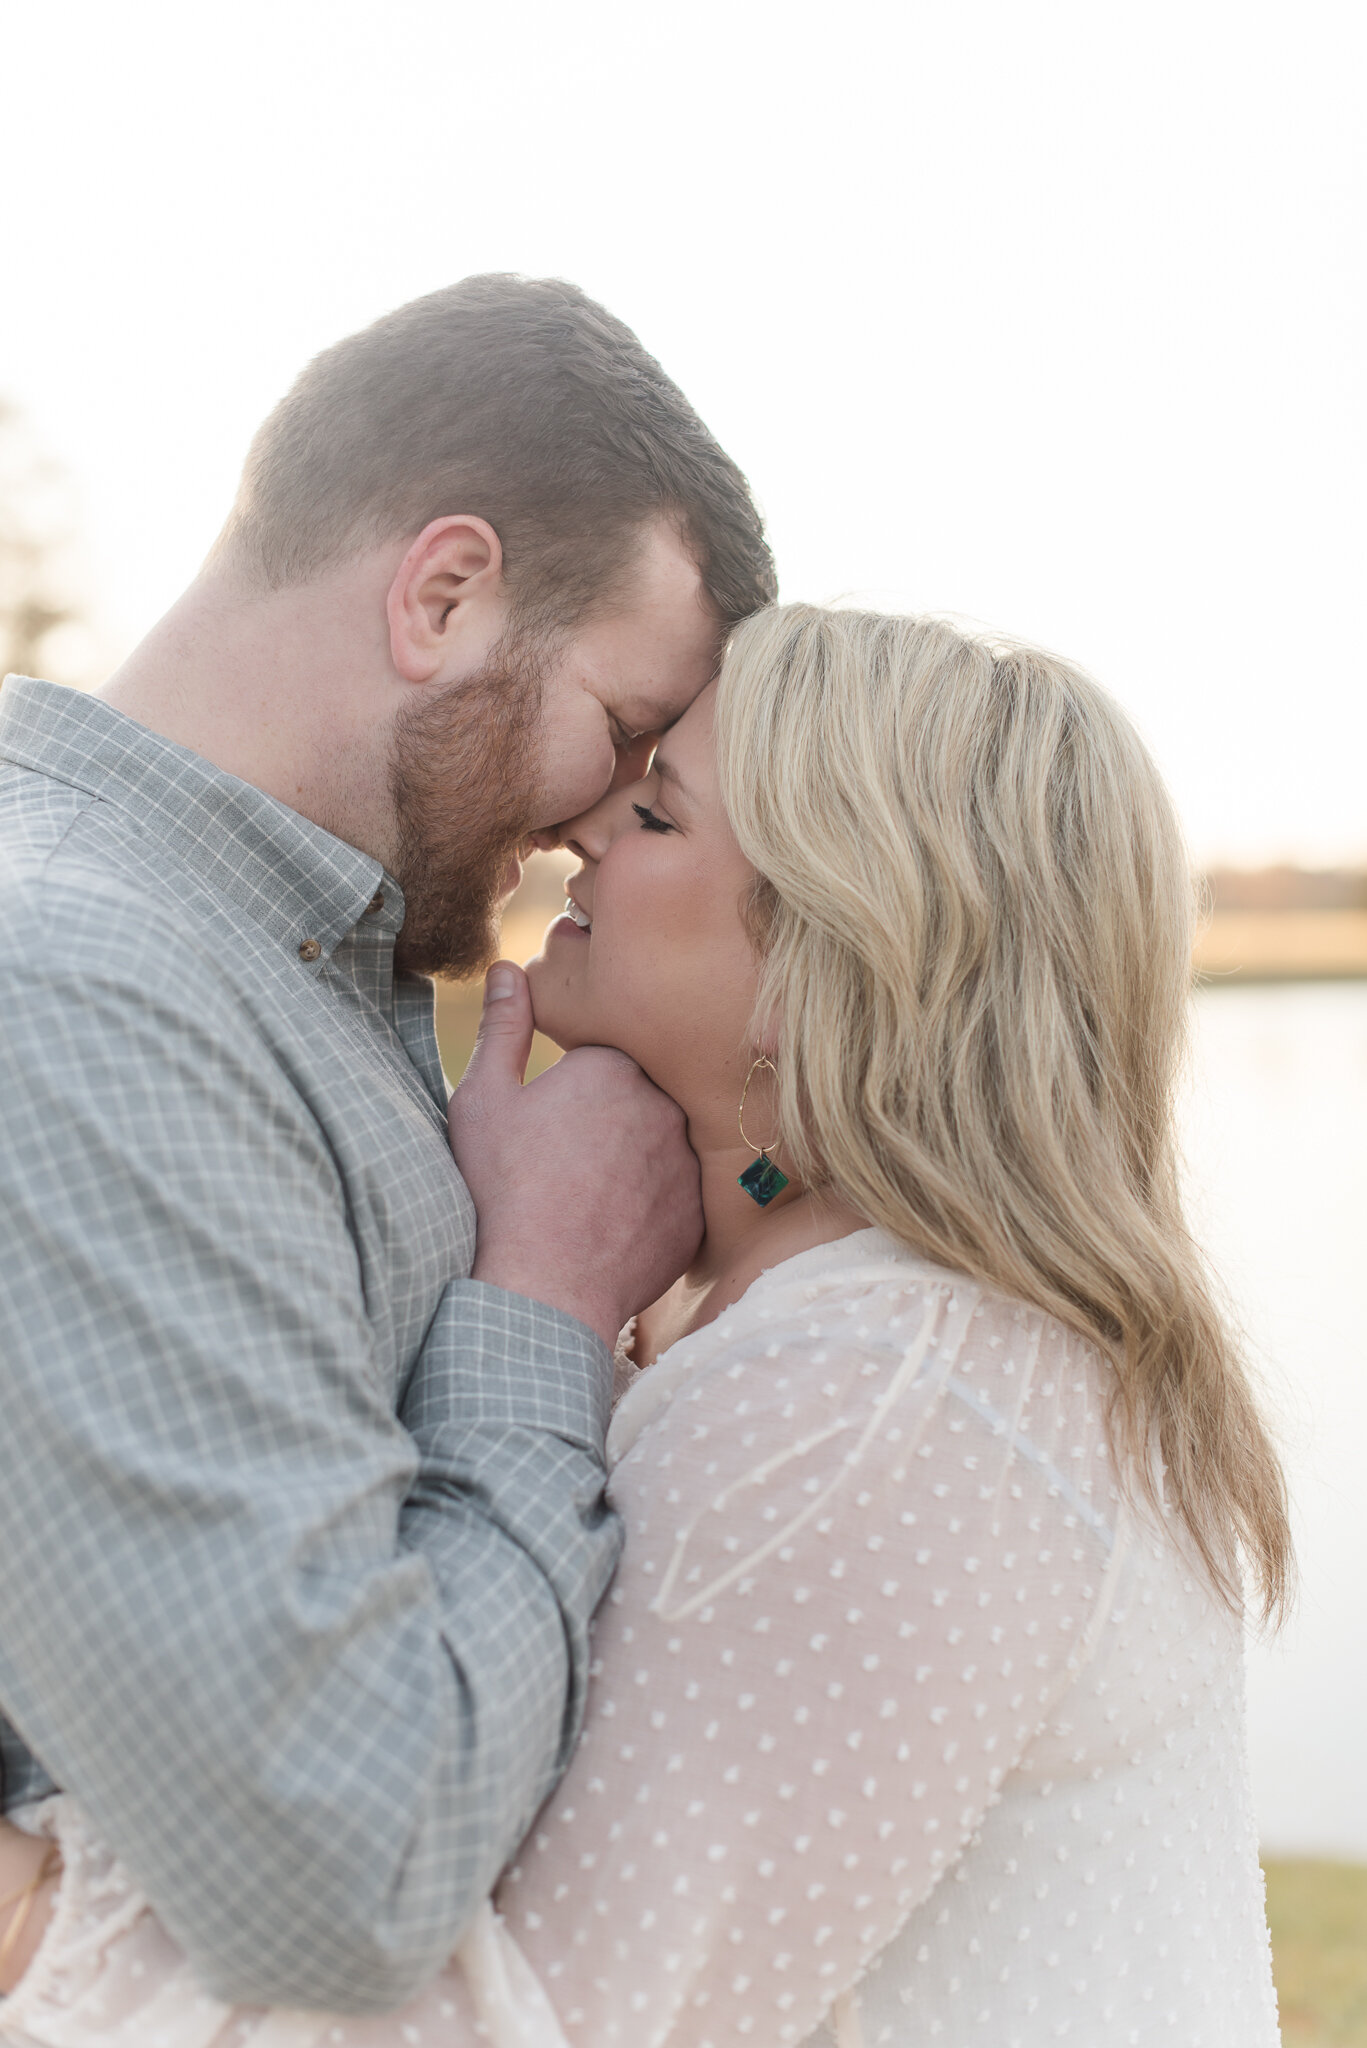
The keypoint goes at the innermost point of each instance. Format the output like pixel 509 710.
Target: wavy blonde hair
pixel 975 915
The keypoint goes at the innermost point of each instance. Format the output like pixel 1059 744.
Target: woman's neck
pixel 740 1241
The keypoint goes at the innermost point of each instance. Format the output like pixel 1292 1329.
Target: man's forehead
pixel 657 695
pixel 657 712
pixel 662 643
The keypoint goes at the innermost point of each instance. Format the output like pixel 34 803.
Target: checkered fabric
pixel 301 1527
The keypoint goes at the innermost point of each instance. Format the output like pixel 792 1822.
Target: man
pixel 300 1478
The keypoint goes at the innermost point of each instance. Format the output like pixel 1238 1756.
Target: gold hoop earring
pixel 762 1180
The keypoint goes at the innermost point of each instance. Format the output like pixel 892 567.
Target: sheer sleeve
pixel 867 1553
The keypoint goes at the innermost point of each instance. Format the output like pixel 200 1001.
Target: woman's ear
pixel 447 602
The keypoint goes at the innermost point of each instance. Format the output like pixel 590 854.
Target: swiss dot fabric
pixel 902 1727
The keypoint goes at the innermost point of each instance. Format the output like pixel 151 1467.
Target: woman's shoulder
pixel 870 1291
pixel 865 1330
pixel 868 1269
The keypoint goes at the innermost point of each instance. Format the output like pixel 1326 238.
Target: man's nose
pixel 593 831
pixel 631 765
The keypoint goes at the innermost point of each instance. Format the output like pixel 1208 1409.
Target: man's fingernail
pixel 498 983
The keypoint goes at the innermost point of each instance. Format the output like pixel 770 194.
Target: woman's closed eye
pixel 651 820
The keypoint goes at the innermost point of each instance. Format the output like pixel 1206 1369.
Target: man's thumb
pixel 504 1043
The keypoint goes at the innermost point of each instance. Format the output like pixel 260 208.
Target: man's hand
pixel 585 1188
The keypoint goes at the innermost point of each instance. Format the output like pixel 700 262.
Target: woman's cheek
pixel 632 970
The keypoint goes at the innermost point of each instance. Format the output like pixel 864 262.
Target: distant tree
pixel 41 616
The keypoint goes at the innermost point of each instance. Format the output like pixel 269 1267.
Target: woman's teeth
pixel 572 910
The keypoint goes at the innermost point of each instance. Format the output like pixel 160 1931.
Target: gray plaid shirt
pixel 301 1527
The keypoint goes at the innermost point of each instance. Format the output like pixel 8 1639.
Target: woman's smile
pixel 578 916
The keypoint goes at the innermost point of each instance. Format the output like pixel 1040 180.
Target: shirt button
pixel 309 949
pixel 376 904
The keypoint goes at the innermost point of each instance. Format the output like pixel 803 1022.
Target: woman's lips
pixel 564 927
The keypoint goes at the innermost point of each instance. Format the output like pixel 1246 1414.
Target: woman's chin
pixel 556 1034
pixel 549 1008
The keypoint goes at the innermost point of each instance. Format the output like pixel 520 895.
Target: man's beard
pixel 464 784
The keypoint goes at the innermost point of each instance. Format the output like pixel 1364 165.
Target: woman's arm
pixel 29 1875
pixel 849 1600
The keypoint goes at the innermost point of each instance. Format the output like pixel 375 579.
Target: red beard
pixel 464 783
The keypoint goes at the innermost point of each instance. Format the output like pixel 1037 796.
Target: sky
pixel 1047 316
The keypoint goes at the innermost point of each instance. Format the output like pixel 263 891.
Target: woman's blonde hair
pixel 975 916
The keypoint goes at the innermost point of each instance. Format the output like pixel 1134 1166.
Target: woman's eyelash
pixel 650 821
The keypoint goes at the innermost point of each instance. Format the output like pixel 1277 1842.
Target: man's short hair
pixel 517 399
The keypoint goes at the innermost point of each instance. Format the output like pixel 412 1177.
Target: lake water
pixel 1276 1138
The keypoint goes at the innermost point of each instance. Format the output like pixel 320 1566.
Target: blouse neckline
pixel 653 1387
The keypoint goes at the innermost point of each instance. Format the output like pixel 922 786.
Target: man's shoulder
pixel 36 814
pixel 83 894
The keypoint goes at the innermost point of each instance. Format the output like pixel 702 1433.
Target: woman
pixel 917 1707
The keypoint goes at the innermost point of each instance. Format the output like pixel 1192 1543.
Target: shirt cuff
pixel 495 1357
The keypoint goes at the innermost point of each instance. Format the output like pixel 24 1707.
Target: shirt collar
pixel 300 884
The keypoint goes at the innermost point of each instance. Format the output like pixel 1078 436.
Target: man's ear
pixel 447 596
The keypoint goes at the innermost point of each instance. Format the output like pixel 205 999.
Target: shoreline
pixel 1239 946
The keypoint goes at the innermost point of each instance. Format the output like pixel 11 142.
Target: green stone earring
pixel 762 1180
